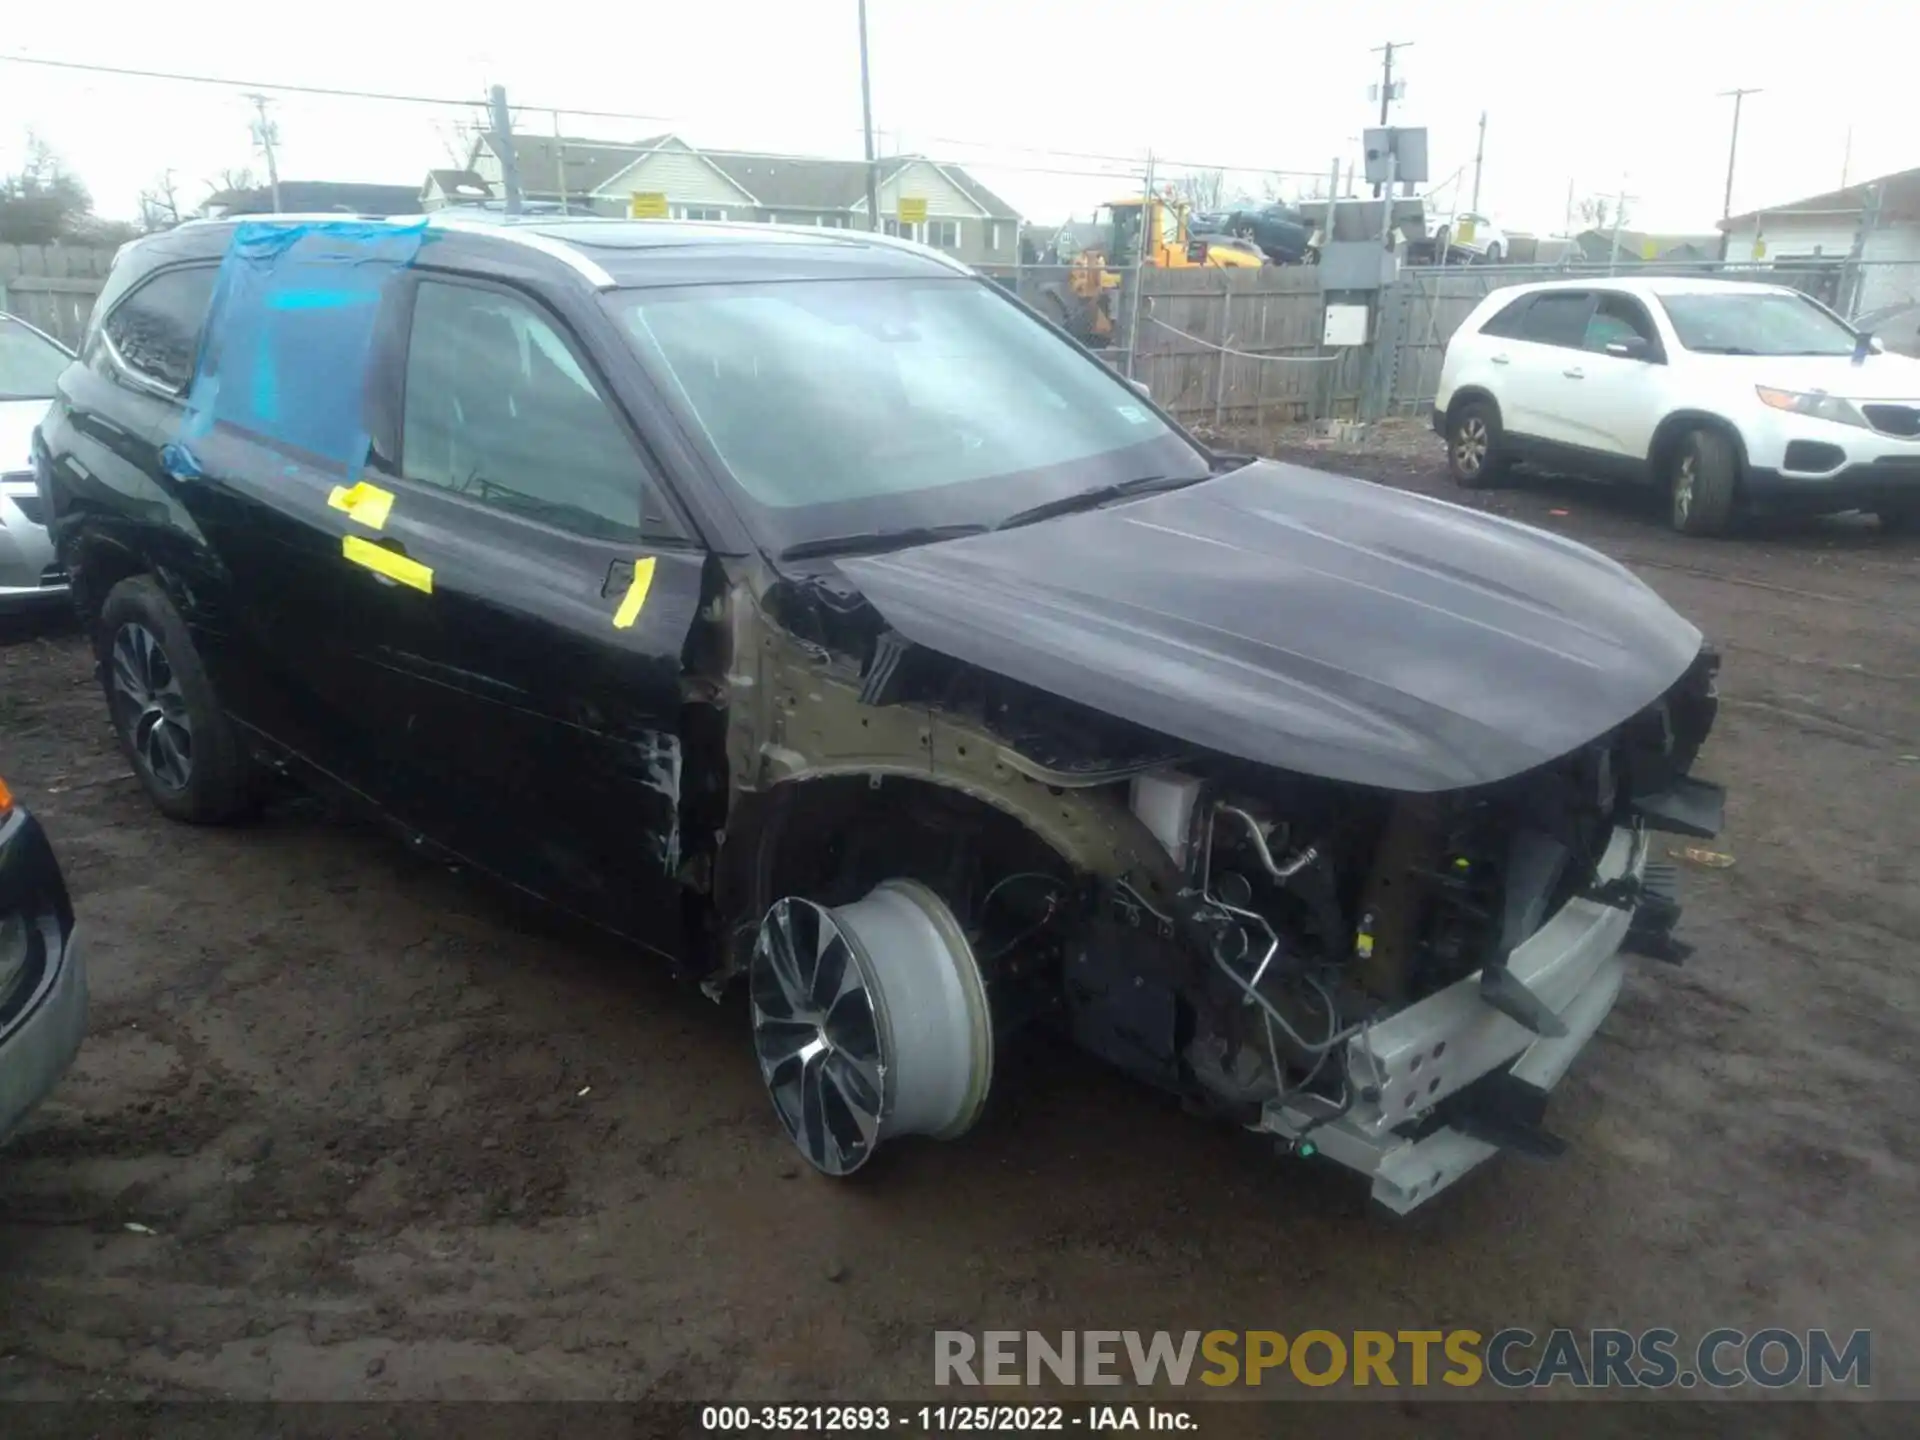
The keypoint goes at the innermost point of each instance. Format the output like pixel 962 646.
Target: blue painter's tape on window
pixel 290 332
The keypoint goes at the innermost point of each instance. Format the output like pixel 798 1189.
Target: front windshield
pixel 851 407
pixel 1733 323
pixel 29 363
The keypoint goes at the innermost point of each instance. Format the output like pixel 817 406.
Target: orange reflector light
pixel 6 798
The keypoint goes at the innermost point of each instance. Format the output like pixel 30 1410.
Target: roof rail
pixel 507 228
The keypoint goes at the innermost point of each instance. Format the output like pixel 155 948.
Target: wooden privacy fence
pixel 1242 346
pixel 53 287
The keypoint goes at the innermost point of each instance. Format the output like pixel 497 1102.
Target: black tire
pixel 1704 482
pixel 1494 253
pixel 1476 456
pixel 171 727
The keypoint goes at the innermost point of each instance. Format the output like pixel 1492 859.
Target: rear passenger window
pixel 155 331
pixel 499 409
pixel 1506 322
pixel 1557 320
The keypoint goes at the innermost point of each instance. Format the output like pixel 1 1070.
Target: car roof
pixel 1649 287
pixel 615 254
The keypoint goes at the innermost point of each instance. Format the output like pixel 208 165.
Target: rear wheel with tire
pixel 1475 453
pixel 1704 482
pixel 180 742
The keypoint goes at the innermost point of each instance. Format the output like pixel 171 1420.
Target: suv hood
pixel 1321 624
pixel 1877 377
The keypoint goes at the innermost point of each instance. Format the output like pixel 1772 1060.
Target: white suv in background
pixel 1726 395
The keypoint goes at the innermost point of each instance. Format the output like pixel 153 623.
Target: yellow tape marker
pixel 368 504
pixel 636 595
pixel 383 561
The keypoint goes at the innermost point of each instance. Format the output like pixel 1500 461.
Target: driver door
pixel 1620 400
pixel 530 592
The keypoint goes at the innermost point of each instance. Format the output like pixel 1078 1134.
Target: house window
pixel 699 212
pixel 993 237
pixel 943 234
pixel 832 222
pixel 896 229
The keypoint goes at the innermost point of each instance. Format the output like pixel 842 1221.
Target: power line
pixel 1136 162
pixel 478 102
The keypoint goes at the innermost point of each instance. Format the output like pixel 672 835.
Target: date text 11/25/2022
pixel 948 1419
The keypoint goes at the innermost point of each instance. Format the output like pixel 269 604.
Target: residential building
pixel 963 217
pixel 314 197
pixel 1823 229
pixel 1635 247
pixel 454 187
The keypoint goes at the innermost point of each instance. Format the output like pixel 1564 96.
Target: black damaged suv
pixel 802 608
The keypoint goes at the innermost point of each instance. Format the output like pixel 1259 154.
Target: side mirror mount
pixel 1142 387
pixel 1633 347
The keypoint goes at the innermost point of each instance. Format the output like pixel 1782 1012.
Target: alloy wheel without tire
pixel 149 706
pixel 817 1037
pixel 870 1021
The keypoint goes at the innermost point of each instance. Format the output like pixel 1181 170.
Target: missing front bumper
pixel 1415 1062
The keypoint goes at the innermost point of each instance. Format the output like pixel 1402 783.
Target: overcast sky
pixel 1584 95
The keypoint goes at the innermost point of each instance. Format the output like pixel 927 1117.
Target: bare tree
pixel 457 141
pixel 1597 212
pixel 1204 190
pixel 43 201
pixel 233 179
pixel 160 205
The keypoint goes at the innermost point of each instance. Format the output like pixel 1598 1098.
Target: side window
pixel 1558 319
pixel 1506 323
pixel 498 409
pixel 155 330
pixel 1618 317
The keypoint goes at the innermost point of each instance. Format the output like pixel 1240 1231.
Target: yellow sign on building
pixel 1649 250
pixel 912 209
pixel 647 205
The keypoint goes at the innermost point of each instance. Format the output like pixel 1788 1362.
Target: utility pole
pixel 1479 155
pixel 1846 159
pixel 560 163
pixel 1619 219
pixel 1733 151
pixel 1856 283
pixel 266 134
pixel 866 119
pixel 1386 78
pixel 503 147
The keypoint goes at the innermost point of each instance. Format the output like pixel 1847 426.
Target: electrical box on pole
pixel 1395 153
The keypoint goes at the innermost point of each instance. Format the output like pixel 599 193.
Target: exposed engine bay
pixel 1391 979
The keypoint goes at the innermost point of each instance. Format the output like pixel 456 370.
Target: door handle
pixel 178 462
pixel 1500 360
pixel 1574 374
pixel 388 559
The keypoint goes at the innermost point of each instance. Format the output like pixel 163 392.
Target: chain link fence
pixel 1248 347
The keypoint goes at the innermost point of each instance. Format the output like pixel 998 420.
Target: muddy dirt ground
pixel 395 1137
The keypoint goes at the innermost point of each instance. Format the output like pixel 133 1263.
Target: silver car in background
pixel 30 363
